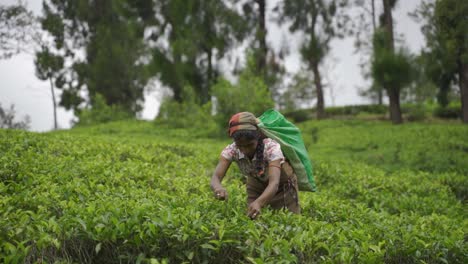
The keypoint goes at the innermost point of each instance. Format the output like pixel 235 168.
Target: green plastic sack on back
pixel 275 126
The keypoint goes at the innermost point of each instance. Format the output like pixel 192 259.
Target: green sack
pixel 275 126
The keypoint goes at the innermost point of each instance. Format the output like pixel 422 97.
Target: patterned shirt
pixel 271 152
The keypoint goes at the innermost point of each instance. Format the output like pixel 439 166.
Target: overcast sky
pixel 19 86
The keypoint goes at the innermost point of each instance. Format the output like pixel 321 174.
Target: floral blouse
pixel 271 152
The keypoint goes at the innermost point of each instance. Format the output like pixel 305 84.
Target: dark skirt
pixel 287 195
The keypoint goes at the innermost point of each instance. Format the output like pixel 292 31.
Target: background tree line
pixel 103 54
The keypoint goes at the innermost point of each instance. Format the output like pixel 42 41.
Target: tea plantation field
pixel 133 192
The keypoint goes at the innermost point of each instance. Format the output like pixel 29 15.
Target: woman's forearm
pixel 219 173
pixel 268 193
pixel 274 172
pixel 215 182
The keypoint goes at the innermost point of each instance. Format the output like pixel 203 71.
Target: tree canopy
pixel 115 50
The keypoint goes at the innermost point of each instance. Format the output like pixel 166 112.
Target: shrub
pixel 81 197
pixel 249 94
pixel 415 112
pixel 356 109
pixel 7 119
pixel 452 111
pixel 336 111
pixel 188 114
pixel 100 112
pixel 300 115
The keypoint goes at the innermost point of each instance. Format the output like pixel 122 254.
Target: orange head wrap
pixel 242 121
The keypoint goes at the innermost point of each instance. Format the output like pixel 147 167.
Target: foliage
pixel 453 111
pixel 446 41
pixel 48 65
pixel 188 114
pixel 49 68
pixel 299 115
pixel 415 112
pixel 7 119
pixel 101 113
pixel 339 111
pixel 449 18
pixel 16 28
pixel 111 35
pixel 433 148
pixel 249 94
pixel 191 37
pixel 356 109
pixel 299 93
pixel 390 69
pixel 320 21
pixel 270 64
pixel 316 19
pixel 365 27
pixel 438 64
pixel 422 88
pixel 130 191
pixel 412 112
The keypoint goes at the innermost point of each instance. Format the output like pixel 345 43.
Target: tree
pixel 48 68
pixel 255 13
pixel 15 29
pixel 367 26
pixel 299 94
pixel 320 21
pixel 20 32
pixel 439 65
pixel 199 33
pixel 249 94
pixel 7 119
pixel 392 70
pixel 388 65
pixel 451 27
pixel 268 62
pixel 111 35
pixel 421 89
pixel 388 45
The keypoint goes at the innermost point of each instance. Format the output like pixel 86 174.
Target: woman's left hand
pixel 254 210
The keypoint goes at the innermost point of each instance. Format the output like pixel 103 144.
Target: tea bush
pixel 101 113
pixel 453 110
pixel 436 147
pixel 132 192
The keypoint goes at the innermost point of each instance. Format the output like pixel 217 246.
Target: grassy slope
pixel 129 191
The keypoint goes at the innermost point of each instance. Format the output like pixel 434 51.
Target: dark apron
pixel 287 195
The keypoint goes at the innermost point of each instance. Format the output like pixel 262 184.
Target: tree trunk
pixel 395 110
pixel 374 27
pixel 444 82
pixel 178 85
pixel 205 96
pixel 261 37
pixel 380 96
pixel 463 82
pixel 54 103
pixel 393 92
pixel 318 86
pixel 388 20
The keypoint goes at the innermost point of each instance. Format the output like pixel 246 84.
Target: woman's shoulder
pixel 230 152
pixel 231 147
pixel 271 145
pixel 272 150
pixel 270 141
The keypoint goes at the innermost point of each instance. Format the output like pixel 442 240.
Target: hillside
pixel 130 192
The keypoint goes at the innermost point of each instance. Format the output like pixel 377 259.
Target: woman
pixel 270 179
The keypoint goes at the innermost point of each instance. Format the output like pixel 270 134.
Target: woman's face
pixel 246 146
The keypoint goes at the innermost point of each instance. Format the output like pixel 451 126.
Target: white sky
pixel 31 96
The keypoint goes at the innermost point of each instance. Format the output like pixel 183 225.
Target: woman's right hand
pixel 221 194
